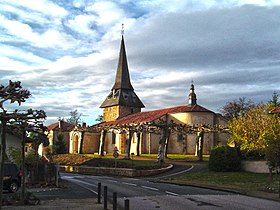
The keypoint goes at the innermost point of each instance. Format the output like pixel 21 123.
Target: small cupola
pixel 192 96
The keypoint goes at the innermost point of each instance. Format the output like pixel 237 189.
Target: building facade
pixel 133 131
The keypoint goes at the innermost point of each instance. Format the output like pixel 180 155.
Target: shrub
pixel 15 154
pixel 252 155
pixel 224 158
pixel 60 145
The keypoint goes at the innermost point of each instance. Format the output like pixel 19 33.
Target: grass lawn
pixel 244 182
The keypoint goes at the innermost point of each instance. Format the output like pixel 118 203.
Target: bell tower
pixel 122 100
pixel 192 96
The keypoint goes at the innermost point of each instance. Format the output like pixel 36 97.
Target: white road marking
pixel 67 177
pixel 135 179
pixel 150 188
pixel 180 172
pixel 171 193
pixel 110 180
pixel 79 182
pixel 127 183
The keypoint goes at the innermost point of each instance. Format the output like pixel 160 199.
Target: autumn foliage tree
pixel 258 131
pixel 272 152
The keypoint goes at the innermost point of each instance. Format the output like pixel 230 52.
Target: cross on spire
pixel 122 32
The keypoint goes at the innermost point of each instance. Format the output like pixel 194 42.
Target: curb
pixel 114 171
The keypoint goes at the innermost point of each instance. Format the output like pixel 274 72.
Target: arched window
pixel 113 138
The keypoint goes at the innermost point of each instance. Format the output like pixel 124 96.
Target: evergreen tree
pixel 274 101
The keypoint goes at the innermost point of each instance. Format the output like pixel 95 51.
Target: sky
pixel 65 52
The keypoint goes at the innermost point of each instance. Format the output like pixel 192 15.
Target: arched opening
pixel 76 144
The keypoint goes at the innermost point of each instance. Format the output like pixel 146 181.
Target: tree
pixel 274 101
pixel 75 117
pixel 18 122
pixel 162 127
pixel 60 145
pixel 23 122
pixel 38 138
pixel 251 130
pixel 236 108
pixel 13 92
pixel 100 118
pixel 272 152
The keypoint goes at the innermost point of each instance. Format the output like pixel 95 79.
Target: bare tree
pixel 17 121
pixel 13 92
pixel 162 127
pixel 75 117
pixel 28 121
pixel 236 108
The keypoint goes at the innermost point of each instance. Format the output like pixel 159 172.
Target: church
pixel 174 130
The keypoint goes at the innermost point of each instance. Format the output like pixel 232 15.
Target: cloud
pixel 82 24
pixel 107 13
pixel 43 6
pixel 20 57
pixel 66 52
pixel 49 39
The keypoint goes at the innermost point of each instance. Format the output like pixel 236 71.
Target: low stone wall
pixel 254 166
pixel 113 171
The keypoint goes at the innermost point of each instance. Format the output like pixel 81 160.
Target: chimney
pixel 84 125
pixel 60 123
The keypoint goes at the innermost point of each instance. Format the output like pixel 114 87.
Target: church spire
pixel 192 96
pixel 122 100
pixel 122 80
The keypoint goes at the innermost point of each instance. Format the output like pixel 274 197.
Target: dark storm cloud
pixel 234 52
pixel 212 38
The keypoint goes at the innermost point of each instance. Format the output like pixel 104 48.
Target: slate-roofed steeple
pixel 122 80
pixel 122 93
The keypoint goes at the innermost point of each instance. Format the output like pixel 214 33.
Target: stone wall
pixel 254 166
pixel 110 113
pixel 113 112
pixel 91 143
pixel 114 171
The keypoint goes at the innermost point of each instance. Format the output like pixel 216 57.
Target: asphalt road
pixel 148 193
pixel 145 194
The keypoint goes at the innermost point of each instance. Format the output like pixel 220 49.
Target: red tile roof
pixel 142 117
pixel 65 126
pixel 275 110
